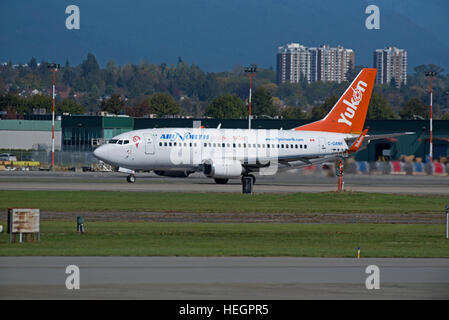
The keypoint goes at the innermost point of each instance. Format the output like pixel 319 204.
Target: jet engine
pixel 227 169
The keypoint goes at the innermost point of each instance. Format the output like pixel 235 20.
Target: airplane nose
pixel 101 153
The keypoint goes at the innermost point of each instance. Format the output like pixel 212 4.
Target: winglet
pixel 355 146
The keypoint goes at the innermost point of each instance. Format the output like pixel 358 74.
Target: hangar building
pixel 85 133
pixel 29 134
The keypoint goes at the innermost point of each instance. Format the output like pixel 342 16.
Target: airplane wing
pixel 379 136
pixel 390 135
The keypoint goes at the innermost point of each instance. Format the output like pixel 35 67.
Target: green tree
pixel 320 111
pixel 163 105
pixel 226 107
pixel 40 101
pixel 414 109
pixel 393 83
pixel 262 104
pixel 14 102
pixel 69 106
pixel 141 108
pixel 379 108
pixel 291 112
pixel 423 68
pixel 115 104
pixel 33 64
pixel 90 73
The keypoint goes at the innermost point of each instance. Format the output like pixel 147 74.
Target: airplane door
pixel 149 143
pixel 322 145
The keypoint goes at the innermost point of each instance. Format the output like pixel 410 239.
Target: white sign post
pixel 23 221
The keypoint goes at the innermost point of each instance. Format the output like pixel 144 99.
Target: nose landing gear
pixel 131 178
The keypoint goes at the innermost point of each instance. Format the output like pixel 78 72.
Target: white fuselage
pixel 187 149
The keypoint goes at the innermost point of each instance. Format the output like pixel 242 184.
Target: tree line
pixel 185 90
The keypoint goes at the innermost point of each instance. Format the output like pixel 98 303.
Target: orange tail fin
pixel 349 113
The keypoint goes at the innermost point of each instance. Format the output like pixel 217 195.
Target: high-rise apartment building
pixel 296 62
pixel 391 63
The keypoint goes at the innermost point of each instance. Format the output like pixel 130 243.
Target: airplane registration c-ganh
pixel 223 154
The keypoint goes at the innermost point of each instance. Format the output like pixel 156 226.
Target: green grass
pixel 330 202
pixel 206 239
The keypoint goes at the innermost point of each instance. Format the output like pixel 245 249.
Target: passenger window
pixel 160 144
pixel 268 146
pixel 305 146
pixel 282 146
pixel 169 144
pixel 296 146
pixel 233 145
pixel 165 144
pixel 190 144
pixel 244 145
pixel 205 144
pixel 300 146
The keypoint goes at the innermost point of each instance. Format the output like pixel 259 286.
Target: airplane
pixel 223 154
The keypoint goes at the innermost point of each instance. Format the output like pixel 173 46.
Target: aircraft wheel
pixel 131 178
pixel 221 181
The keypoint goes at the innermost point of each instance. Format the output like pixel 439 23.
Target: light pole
pixel 430 75
pixel 252 69
pixel 53 67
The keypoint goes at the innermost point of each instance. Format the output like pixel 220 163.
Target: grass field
pixel 226 239
pixel 330 202
pixel 59 238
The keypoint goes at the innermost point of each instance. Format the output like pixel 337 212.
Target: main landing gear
pixel 247 183
pixel 251 176
pixel 131 178
pixel 225 180
pixel 221 181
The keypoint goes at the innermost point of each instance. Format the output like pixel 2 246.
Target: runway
pixel 285 182
pixel 222 278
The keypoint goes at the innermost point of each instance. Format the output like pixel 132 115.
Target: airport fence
pixel 384 168
pixel 42 159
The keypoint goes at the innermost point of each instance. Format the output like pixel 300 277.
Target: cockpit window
pixel 126 142
pixel 113 141
pixel 120 142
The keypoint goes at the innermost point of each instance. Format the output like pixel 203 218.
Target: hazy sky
pixel 218 34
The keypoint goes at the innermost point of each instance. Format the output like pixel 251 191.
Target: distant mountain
pixel 219 34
